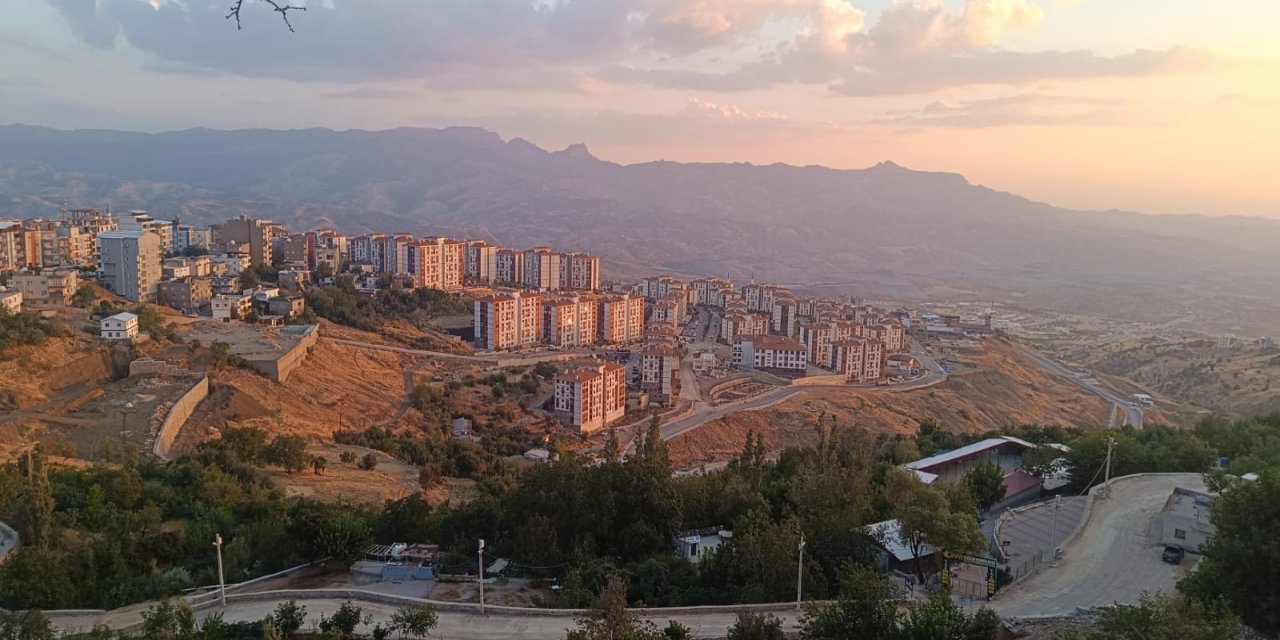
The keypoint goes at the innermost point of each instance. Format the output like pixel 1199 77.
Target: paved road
pixel 1133 413
pixel 453 624
pixel 1115 558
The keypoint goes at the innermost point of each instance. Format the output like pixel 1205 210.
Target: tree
pixel 369 462
pixel 288 453
pixel 288 617
pixel 928 516
pixel 323 270
pixel 344 620
pixel 676 631
pixel 344 537
pixel 985 482
pixel 249 279
pixel 609 618
pixel 1160 616
pixel 538 547
pixel 864 610
pixel 167 621
pixel 319 464
pixel 249 444
pixel 37 516
pixel 25 625
pixel 84 296
pixel 415 620
pixel 751 625
pixel 612 448
pixel 939 617
pixel 1241 563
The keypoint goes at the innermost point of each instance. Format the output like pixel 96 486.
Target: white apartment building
pixel 542 268
pixel 774 354
pixel 660 374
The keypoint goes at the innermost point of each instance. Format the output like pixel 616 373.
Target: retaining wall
pixel 278 369
pixel 149 367
pixel 177 416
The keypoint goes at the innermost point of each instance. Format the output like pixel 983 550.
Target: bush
pixel 369 462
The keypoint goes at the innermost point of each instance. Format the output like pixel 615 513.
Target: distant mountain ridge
pixel 885 230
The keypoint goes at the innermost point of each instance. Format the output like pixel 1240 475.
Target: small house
pixel 121 326
pixel 694 544
pixel 461 427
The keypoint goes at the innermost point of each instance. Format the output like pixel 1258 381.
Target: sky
pixel 1161 106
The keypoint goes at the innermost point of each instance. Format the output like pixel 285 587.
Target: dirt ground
pixel 994 388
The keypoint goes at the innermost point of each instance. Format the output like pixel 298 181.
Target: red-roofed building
pixel 589 399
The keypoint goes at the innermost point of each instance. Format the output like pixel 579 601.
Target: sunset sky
pixel 1151 105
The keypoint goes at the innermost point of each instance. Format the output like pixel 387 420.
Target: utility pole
pixel 800 573
pixel 222 585
pixel 1053 537
pixel 1106 483
pixel 482 576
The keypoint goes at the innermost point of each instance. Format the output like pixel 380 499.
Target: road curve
pixel 1133 414
pixel 1114 558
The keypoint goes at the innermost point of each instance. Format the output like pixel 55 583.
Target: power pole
pixel 800 573
pixel 482 576
pixel 1106 483
pixel 222 585
pixel 1053 537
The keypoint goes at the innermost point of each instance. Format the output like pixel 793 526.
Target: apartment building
pixel 131 263
pixel 656 288
pixel 234 306
pixel 508 320
pixel 46 286
pixel 394 253
pixel 660 374
pixel 186 237
pixel 186 294
pixel 453 256
pixel 664 313
pixel 784 319
pixel 245 230
pixel 509 267
pixel 621 319
pixel 542 269
pixel 589 399
pixel 860 360
pixel 773 354
pixel 480 263
pixel 13 254
pixel 569 321
pixel 580 272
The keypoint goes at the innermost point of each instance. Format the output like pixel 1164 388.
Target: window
pixel 1180 534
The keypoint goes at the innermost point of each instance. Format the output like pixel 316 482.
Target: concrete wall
pixel 278 370
pixel 149 367
pixel 177 416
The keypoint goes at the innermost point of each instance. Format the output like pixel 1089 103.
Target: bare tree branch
pixel 283 10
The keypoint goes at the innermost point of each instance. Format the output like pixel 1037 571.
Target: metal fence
pixel 1023 566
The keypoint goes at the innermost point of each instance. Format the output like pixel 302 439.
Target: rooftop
pixel 967 451
pixel 889 535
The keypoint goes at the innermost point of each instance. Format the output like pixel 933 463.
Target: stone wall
pixel 278 369
pixel 177 416
pixel 149 367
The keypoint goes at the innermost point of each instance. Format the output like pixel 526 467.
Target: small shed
pixel 894 554
pixel 692 545
pixel 461 427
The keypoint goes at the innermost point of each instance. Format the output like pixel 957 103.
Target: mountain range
pixel 885 231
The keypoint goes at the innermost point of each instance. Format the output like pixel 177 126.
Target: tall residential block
pixel 131 263
pixel 507 320
pixel 589 399
pixel 509 267
pixel 580 272
pixel 660 374
pixel 621 319
pixel 542 268
pixel 480 262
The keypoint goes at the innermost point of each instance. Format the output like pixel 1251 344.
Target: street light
pixel 800 572
pixel 482 576
pixel 222 585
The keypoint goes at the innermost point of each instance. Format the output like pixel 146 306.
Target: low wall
pixel 149 367
pixel 824 380
pixel 177 416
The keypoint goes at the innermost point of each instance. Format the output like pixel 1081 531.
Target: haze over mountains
pixel 885 230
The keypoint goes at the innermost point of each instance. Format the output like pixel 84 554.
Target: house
pixel 11 301
pixel 289 307
pixel 694 544
pixel 231 307
pixel 121 326
pixel 893 554
pixel 461 427
pixel 1185 520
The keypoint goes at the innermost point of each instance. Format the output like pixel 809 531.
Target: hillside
pixel 916 234
pixel 995 387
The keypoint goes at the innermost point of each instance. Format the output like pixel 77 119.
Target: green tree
pixel 288 453
pixel 939 617
pixel 676 631
pixel 319 464
pixel 249 279
pixel 288 617
pixel 414 620
pixel 538 547
pixel 323 270
pixel 369 462
pixel 344 621
pixel 37 521
pixel 344 537
pixel 84 296
pixel 609 618
pixel 864 609
pixel 1241 563
pixel 985 482
pixel 169 621
pixel 612 448
pixel 751 625
pixel 25 625
pixel 1160 617
pixel 928 516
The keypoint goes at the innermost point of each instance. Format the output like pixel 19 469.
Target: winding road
pixel 1133 412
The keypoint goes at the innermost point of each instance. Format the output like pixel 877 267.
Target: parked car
pixel 1173 554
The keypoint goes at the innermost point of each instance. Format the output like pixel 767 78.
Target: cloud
pixel 372 93
pixel 1022 109
pixel 700 107
pixel 1248 100
pixel 586 47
